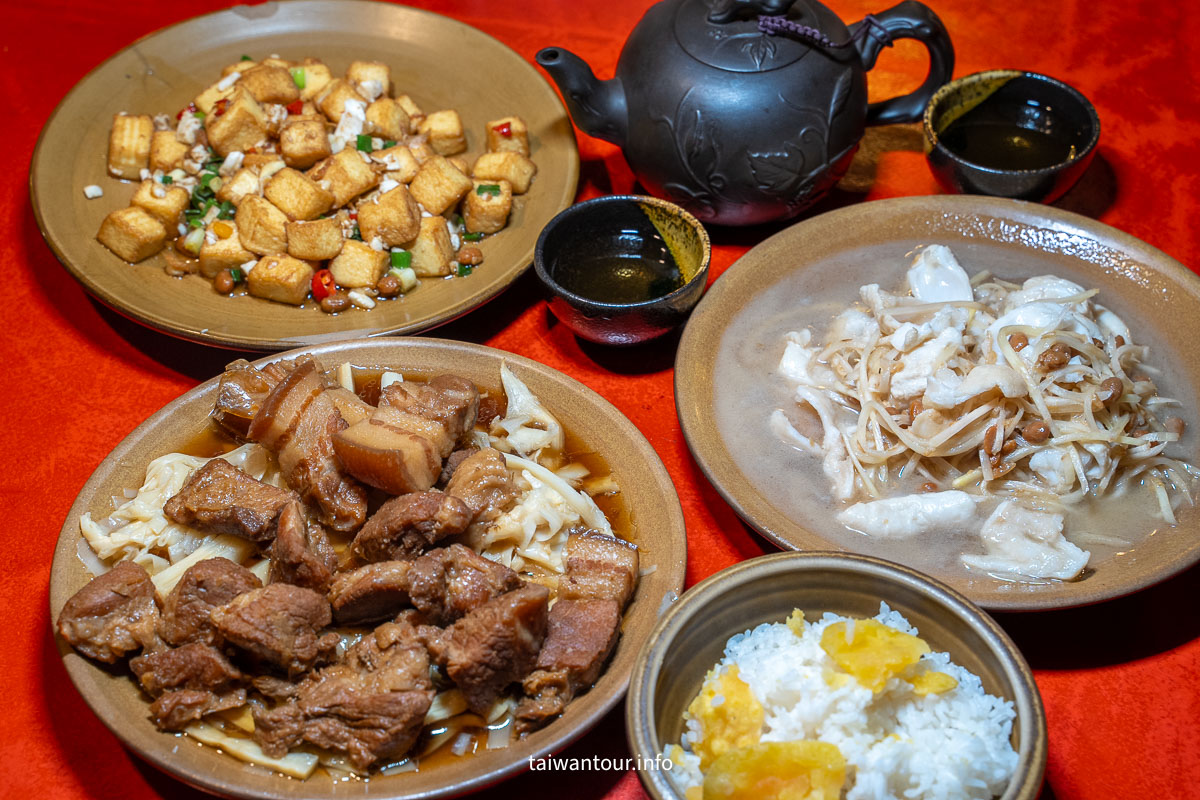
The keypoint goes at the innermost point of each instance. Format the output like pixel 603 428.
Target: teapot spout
pixel 598 107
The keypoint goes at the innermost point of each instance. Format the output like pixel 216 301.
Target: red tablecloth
pixel 1121 681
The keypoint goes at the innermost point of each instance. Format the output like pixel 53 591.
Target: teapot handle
pixel 908 20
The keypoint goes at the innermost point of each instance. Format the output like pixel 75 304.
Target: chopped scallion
pixel 246 58
pixel 196 222
pixel 198 114
pixel 356 234
pixel 167 180
pixel 465 270
pixel 364 143
pixel 472 237
pixel 237 275
pixel 227 210
pixel 388 143
pixel 298 77
pixel 206 178
pixel 488 188
pixel 401 259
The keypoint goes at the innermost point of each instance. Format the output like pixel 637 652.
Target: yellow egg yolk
pixel 871 651
pixel 729 715
pixel 802 770
pixel 931 683
pixel 795 622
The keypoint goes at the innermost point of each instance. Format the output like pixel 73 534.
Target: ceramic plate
pixel 441 63
pixel 795 274
pixel 648 497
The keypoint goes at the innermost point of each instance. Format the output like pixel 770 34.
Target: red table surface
pixel 1121 681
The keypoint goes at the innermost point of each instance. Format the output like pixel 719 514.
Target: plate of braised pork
pixel 413 565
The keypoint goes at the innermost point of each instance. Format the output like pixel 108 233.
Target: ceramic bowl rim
pixel 642 732
pixel 934 142
pixel 559 290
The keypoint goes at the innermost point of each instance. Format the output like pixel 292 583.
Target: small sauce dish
pixel 1009 133
pixel 622 269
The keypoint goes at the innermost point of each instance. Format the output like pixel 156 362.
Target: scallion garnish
pixel 356 234
pixel 465 270
pixel 388 143
pixel 167 180
pixel 492 189
pixel 401 259
pixel 298 77
pixel 364 143
pixel 246 58
pixel 472 237
pixel 227 210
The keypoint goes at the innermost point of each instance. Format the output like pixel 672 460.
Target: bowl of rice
pixel 829 675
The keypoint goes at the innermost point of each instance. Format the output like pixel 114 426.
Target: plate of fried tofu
pixel 284 174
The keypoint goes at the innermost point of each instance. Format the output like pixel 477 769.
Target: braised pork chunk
pixel 280 624
pixel 406 526
pixel 446 583
pixel 371 593
pixel 482 481
pixel 301 553
pixel 220 498
pixel 206 585
pixel 599 566
pixel 113 615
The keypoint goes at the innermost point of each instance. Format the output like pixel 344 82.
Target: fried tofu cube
pixel 372 78
pixel 460 163
pixel 332 101
pixel 508 134
pixel 241 126
pixel 270 84
pixel 314 240
pixel 265 163
pixel 432 251
pixel 439 185
pixel 509 166
pixel 129 145
pixel 281 278
pixel 244 182
pixel 358 265
pixel 275 61
pixel 421 151
pixel 222 254
pixel 133 233
pixel 388 119
pixel 167 152
pixel 444 132
pixel 221 90
pixel 394 217
pixel 415 114
pixel 487 212
pixel 399 162
pixel 261 226
pixel 315 76
pixel 348 174
pixel 165 202
pixel 297 195
pixel 239 66
pixel 303 141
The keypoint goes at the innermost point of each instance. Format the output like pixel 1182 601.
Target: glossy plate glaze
pixel 441 63
pixel 649 499
pixel 1157 296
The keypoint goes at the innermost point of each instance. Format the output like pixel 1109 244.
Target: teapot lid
pixel 740 45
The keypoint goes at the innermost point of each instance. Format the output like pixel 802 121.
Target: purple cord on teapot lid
pixel 774 25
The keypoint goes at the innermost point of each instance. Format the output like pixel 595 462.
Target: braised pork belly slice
pixel 301 553
pixel 220 498
pixel 408 525
pixel 449 582
pixel 352 407
pixel 297 422
pixel 450 400
pixel 370 706
pixel 599 566
pixel 370 593
pixel 580 635
pixel 493 646
pixel 279 624
pixel 176 709
pixel 206 585
pixel 483 482
pixel 192 666
pixel 241 392
pixel 451 464
pixel 113 615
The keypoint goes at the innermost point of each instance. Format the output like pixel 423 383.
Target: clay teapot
pixel 746 111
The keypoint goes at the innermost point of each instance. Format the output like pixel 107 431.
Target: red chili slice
pixel 220 106
pixel 323 284
pixel 504 129
pixel 190 107
pixel 296 107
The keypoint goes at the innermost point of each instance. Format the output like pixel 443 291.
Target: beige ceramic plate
pixel 441 63
pixel 654 518
pixel 837 252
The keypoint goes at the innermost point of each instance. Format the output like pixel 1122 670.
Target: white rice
pixel 897 745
